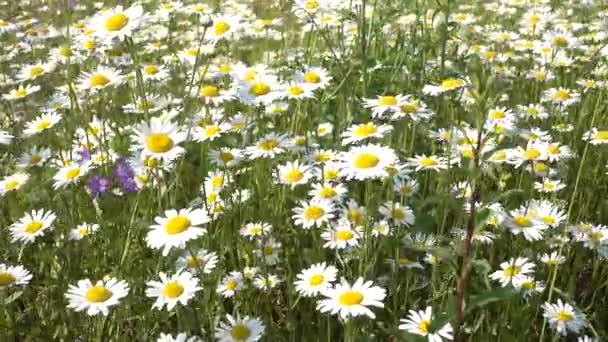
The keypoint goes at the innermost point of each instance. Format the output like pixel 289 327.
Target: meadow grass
pixel 307 170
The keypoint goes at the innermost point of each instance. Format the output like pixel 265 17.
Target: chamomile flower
pixel 314 78
pixel 269 251
pixel 5 137
pixel 13 276
pixel 231 284
pixel 33 71
pixel 202 261
pixel 596 136
pixel 176 228
pixel 397 213
pixel 381 228
pixel 314 280
pixel 420 322
pixel 512 271
pixel 171 290
pixel 13 183
pixel 342 235
pixel 70 174
pixel 210 132
pixel 528 285
pixel 294 174
pixel 98 298
pixel 117 22
pixel 267 147
pixel 328 191
pixel 261 89
pixel 445 86
pixel 82 230
pixel 215 94
pixel 549 185
pixel 154 72
pixel 255 230
pixel 552 259
pixel 361 132
pixel 524 221
pixel 226 157
pixel 561 96
pixel 181 337
pixel 266 283
pixel 383 104
pixel 298 91
pixel 313 213
pixel 159 139
pixel 101 78
pixel 32 225
pixel 366 162
pixel 21 92
pixel 224 27
pixel 237 329
pixel 424 162
pixel 563 318
pixel 325 129
pixel 352 300
pixel 41 123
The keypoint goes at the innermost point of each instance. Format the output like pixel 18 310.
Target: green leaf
pixel 492 296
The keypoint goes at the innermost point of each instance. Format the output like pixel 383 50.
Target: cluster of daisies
pixel 152 96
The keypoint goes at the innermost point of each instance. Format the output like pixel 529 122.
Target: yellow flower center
pixel 240 332
pixel 97 294
pixel 36 70
pixel 173 289
pixel 226 156
pixel 562 95
pixel 522 221
pixel 11 184
pixel 224 68
pixel 548 219
pixel 327 192
pixel 89 44
pixel 330 174
pixel 313 212
pixel 387 101
pixel 295 91
pixel 344 235
pixel 211 130
pixel 311 4
pixel 541 167
pixel 209 91
pixel 532 153
pixel 350 298
pixel 497 114
pixel 451 83
pixel 72 173
pixel 259 89
pixel 397 214
pixel 34 159
pixel 364 130
pixel 424 326
pixel 427 161
pixel 98 80
pixel 316 280
pixel 193 262
pixel 365 160
pixel 116 22
pixel 6 279
pixel 221 27
pixel 44 124
pixel 177 224
pixel 20 92
pixel 151 69
pixel 601 135
pixel 511 271
pixel 267 250
pixel 65 51
pixel 257 229
pixel 564 316
pixel 559 41
pixel 311 77
pixel 294 175
pixel 33 227
pixel 408 108
pixel 159 142
pixel 268 144
pixel 231 284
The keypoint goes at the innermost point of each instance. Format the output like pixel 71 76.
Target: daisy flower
pixel 253 230
pixel 512 271
pixel 314 78
pixel 225 157
pixel 266 283
pixel 171 290
pixel 596 136
pixel 13 182
pixel 315 279
pixel 563 318
pixel 181 337
pixel 269 251
pixel 445 86
pixel 424 162
pixel 298 91
pixel 96 298
pixel 268 146
pixel 383 104
pixel 82 230
pixel 398 214
pixel 381 228
pixel 117 22
pixel 294 174
pixel 526 222
pixel 364 131
pixel 21 92
pixel 33 71
pixel 32 225
pixel 159 139
pixel 261 89
pixel 5 137
pixel 70 174
pixel 419 323
pixel 41 123
pixel 154 72
pixel 352 300
pixel 328 191
pixel 209 132
pixel 528 285
pixel 313 213
pixel 342 235
pixel 176 228
pixel 552 259
pixel 236 329
pixel 223 27
pixel 324 129
pixel 231 284
pixel 561 96
pixel 549 185
pixel 13 276
pixel 202 261
pixel 366 162
pixel 101 78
